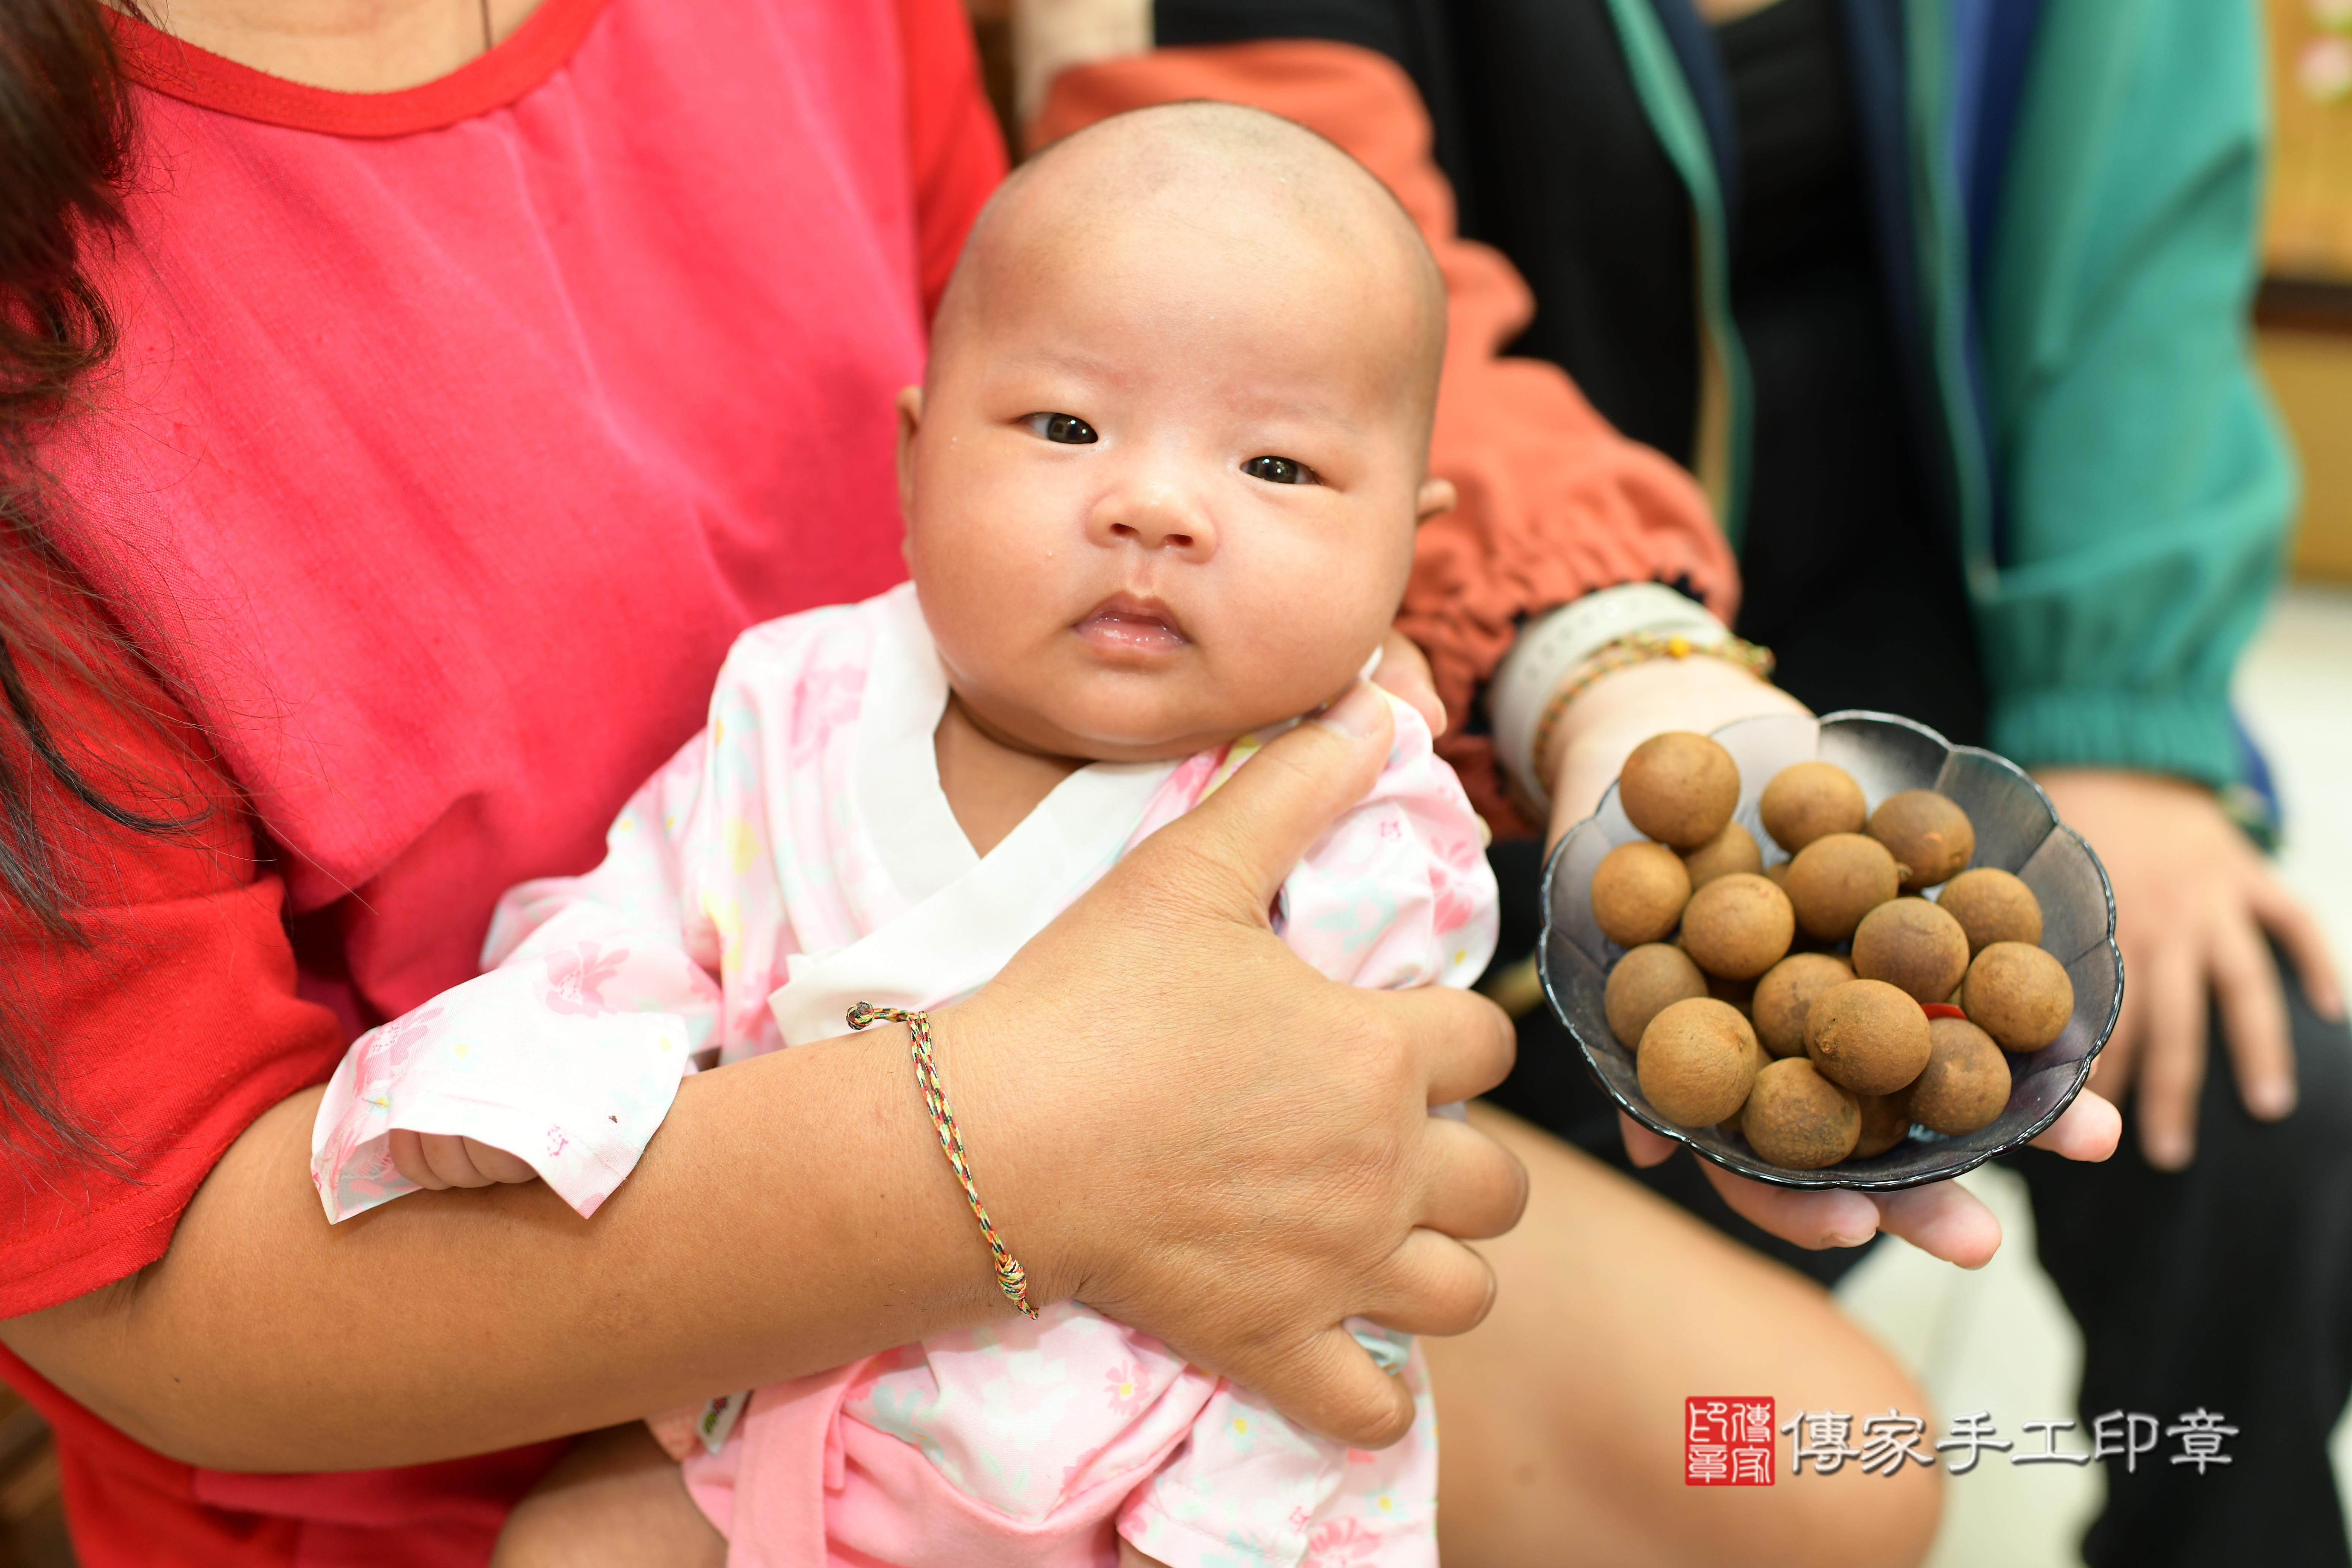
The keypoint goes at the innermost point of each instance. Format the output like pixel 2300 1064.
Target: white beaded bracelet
pixel 1553 647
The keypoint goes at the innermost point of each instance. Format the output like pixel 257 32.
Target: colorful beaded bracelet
pixel 1641 648
pixel 1010 1277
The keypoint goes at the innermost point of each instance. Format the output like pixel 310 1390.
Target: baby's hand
pixel 436 1161
pixel 1129 1557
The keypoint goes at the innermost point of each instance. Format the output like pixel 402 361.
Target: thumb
pixel 1331 1386
pixel 1249 835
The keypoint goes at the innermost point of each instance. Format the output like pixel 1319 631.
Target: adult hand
pixel 1241 1196
pixel 1942 1219
pixel 2193 899
pixel 1589 747
pixel 1403 673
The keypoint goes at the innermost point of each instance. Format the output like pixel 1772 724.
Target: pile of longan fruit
pixel 1892 1011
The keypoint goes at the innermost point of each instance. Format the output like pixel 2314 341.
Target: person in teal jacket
pixel 1947 301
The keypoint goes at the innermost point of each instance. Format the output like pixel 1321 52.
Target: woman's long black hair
pixel 64 149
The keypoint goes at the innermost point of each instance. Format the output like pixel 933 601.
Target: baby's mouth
pixel 1125 624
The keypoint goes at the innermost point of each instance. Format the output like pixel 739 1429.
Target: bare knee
pixel 617 1500
pixel 1564 1412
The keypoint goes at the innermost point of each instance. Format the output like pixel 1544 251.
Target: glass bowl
pixel 2016 831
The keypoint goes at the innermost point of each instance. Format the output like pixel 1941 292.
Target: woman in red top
pixel 468 374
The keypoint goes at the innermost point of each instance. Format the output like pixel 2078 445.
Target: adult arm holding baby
pixel 1356 1192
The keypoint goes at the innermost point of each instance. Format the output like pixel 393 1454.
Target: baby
pixel 1160 487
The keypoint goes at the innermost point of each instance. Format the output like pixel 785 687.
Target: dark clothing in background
pixel 2228 1286
pixel 1847 541
pixel 1844 550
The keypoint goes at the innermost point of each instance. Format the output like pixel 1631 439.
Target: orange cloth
pixel 1554 502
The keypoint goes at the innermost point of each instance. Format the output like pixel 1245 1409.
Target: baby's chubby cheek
pixel 1295 645
pixel 1279 619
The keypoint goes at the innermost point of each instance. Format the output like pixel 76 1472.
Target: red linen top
pixel 453 435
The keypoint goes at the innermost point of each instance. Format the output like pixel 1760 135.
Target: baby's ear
pixel 1436 497
pixel 910 421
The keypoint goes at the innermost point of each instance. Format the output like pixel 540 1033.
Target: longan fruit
pixel 1679 788
pixel 1732 849
pixel 1797 1119
pixel 1992 906
pixel 1739 926
pixel 1885 1121
pixel 1838 879
pixel 1786 995
pixel 1965 1084
pixel 1806 801
pixel 1638 893
pixel 1927 833
pixel 1913 945
pixel 1868 1036
pixel 2019 994
pixel 1735 1124
pixel 1644 984
pixel 1696 1062
pixel 1777 874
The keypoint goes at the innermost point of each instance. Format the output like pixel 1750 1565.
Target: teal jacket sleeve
pixel 2143 484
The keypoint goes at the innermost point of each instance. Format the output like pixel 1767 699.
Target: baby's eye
pixel 1066 428
pixel 1279 470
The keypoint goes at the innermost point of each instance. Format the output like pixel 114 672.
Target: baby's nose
pixel 1156 517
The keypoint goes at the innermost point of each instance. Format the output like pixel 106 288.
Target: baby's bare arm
pixel 1129 1557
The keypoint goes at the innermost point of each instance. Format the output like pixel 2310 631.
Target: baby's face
pixel 1163 485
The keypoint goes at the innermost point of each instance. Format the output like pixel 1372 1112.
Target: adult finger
pixel 2254 1019
pixel 1331 1385
pixel 1405 674
pixel 2172 1069
pixel 1244 839
pixel 2088 1130
pixel 2298 930
pixel 408 1159
pixel 1835 1216
pixel 2119 1057
pixel 1437 1286
pixel 1643 1147
pixel 1472 1039
pixel 445 1153
pixel 1477 1188
pixel 1943 1219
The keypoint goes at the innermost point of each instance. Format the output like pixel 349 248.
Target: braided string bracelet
pixel 1010 1277
pixel 1641 648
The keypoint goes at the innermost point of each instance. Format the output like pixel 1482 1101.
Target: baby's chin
pixel 1135 732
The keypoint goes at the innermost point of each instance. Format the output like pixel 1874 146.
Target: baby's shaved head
pixel 1220 184
pixel 1163 478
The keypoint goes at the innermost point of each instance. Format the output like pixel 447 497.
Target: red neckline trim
pixel 531 54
